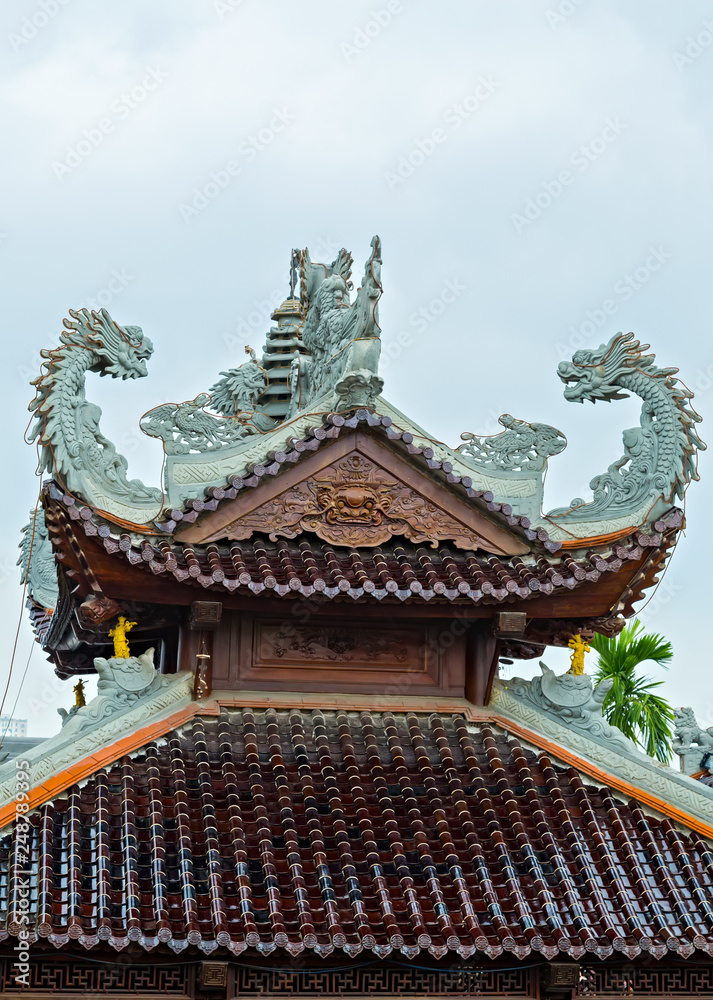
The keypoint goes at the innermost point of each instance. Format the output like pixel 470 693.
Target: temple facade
pixel 302 772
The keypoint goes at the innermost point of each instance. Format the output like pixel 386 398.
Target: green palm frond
pixel 631 704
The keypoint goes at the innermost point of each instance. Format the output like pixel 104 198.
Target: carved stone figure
pixel 37 563
pixel 123 681
pixel 520 447
pixel 326 349
pixel 72 447
pixel 573 699
pixel 333 330
pixel 237 393
pixel 691 743
pixel 659 457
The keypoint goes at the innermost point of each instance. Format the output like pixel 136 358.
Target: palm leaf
pixel 631 704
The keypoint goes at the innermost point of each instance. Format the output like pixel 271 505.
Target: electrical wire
pixel 22 608
pixel 17 696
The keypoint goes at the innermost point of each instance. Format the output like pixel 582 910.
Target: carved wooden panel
pixel 354 503
pixel 345 655
pixel 121 976
pixel 281 643
pixel 387 981
pixel 680 980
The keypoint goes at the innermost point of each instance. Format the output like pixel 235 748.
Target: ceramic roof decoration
pixel 659 457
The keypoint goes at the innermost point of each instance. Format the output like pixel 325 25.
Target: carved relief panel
pixel 335 655
pixel 354 502
pixel 329 645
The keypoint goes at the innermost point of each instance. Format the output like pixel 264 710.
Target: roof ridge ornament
pixel 72 446
pixel 38 568
pixel 659 459
pixel 521 447
pixel 573 699
pixel 123 682
pixel 342 337
pixel 691 742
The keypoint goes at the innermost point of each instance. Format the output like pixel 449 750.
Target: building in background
pixel 12 727
pixel 301 772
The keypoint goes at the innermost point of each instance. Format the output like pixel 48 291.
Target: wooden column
pixel 481 663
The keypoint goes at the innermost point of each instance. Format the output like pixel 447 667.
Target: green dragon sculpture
pixel 660 455
pixel 38 568
pixel 190 427
pixel 66 426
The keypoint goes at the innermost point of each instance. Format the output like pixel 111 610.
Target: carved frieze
pixel 355 503
pixel 285 642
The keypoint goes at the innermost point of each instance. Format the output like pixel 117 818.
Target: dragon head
pixel 239 389
pixel 593 374
pixel 119 351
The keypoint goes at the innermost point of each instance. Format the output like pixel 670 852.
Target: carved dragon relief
pixel 337 369
pixel 354 503
pixel 659 457
pixel 189 427
pixel 342 345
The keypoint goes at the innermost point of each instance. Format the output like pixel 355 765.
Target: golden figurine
pixel 579 647
pixel 79 699
pixel 118 634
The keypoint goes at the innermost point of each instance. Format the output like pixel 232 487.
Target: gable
pixel 359 494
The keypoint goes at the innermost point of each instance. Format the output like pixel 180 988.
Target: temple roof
pixel 353 510
pixel 307 481
pixel 341 830
pixel 399 570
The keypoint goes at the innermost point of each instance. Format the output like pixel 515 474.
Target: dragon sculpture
pixel 189 427
pixel 659 457
pixel 66 425
pixel 38 568
pixel 334 367
pixel 520 447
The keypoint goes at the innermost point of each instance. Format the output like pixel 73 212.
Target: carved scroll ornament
pixel 357 504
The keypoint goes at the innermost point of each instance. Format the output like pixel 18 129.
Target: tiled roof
pixel 401 570
pixel 345 831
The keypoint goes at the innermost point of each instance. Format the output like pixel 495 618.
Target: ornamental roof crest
pixel 320 357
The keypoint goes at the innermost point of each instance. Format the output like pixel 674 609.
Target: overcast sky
pixel 162 158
